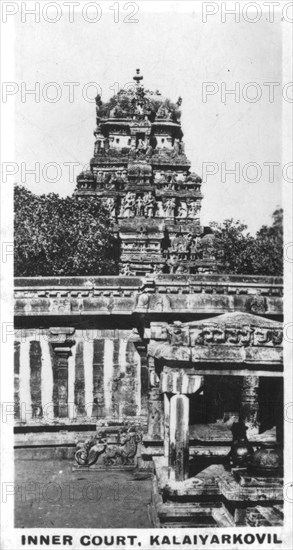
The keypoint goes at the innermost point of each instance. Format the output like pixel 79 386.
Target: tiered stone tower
pixel 142 175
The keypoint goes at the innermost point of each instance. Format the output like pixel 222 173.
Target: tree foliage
pixel 268 247
pixel 56 236
pixel 240 252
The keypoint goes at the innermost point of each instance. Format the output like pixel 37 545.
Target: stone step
pixel 264 515
pixel 194 515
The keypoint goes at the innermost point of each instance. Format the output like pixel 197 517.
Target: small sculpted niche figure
pixel 182 211
pixel 149 205
pixel 170 208
pixel 140 205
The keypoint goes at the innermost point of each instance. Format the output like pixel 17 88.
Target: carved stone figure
pixel 174 245
pixel 160 210
pixel 97 147
pixel 161 182
pixel 170 208
pixel 112 181
pixel 192 209
pixel 256 304
pixel 124 452
pixel 88 452
pixel 99 103
pixel 142 147
pixel 174 177
pixel 176 335
pixel 162 112
pixel 172 263
pixel 157 269
pixel 140 205
pixel 183 250
pixel 143 300
pixel 119 181
pixel 277 337
pixel 113 112
pixel 126 271
pixel 149 205
pixel 110 204
pixel 149 151
pixel 261 336
pixel 139 109
pixel 232 336
pixel 176 148
pixel 182 210
pixel 100 178
pixel 124 176
pixel 128 206
pixel 132 152
pixel 245 335
pixel 106 145
pixel 194 248
pixel 181 148
pixel 155 419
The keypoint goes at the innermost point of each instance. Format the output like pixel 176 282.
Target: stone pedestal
pixel 179 438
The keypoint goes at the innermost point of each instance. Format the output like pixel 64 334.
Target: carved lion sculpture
pixel 125 452
pixel 88 452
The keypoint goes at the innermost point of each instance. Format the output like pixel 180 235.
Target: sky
pixel 178 54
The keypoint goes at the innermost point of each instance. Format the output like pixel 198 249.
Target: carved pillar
pixel 249 412
pixel 155 412
pixel 179 438
pixel 61 343
pixel 166 424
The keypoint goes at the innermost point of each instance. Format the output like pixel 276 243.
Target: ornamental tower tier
pixel 141 173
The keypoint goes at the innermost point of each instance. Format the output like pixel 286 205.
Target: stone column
pixel 61 343
pixel 179 438
pixel 60 388
pixel 166 424
pixel 249 412
pixel 155 405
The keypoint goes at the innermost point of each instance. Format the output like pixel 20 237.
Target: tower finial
pixel 137 77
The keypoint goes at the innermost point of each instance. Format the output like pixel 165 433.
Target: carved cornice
pixel 159 294
pixel 232 329
pixel 218 357
pixel 236 340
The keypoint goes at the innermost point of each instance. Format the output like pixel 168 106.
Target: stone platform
pixel 215 497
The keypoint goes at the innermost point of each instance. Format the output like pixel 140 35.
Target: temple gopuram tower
pixel 141 173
